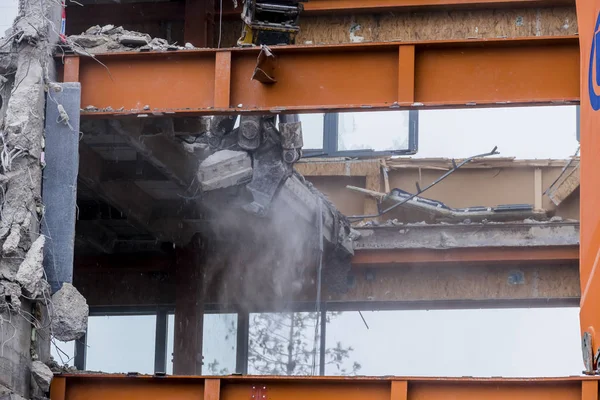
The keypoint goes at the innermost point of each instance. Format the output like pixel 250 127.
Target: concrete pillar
pixel 59 181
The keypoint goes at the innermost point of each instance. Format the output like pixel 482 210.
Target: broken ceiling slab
pixel 455 236
pixel 566 185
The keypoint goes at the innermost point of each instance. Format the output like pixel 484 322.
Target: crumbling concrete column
pixel 60 181
pixel 26 70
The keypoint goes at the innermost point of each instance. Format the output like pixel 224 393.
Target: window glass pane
pixel 312 131
pixel 63 353
pixel 500 342
pixel 375 130
pixel 219 344
pixel 521 132
pixel 170 342
pixel 283 344
pixel 123 343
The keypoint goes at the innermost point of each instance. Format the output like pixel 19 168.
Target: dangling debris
pixel 69 314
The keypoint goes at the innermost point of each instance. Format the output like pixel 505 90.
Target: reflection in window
pixel 219 344
pixel 375 130
pixel 521 132
pixel 63 352
pixel 283 344
pixel 123 343
pixel 312 131
pixel 500 342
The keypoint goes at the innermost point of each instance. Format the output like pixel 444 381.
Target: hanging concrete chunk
pixel 225 168
pixel 42 375
pixel 31 271
pixel 69 314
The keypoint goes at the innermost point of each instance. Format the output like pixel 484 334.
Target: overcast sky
pixel 8 11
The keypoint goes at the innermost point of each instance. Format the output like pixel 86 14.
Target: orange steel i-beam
pixel 313 7
pixel 465 255
pixel 588 18
pixel 361 77
pixel 119 387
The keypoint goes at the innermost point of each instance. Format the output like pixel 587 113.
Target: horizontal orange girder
pixel 119 387
pixel 376 76
pixel 374 6
pixel 482 254
pixel 319 6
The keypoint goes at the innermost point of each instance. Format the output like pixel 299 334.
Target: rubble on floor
pixel 69 314
pixel 109 38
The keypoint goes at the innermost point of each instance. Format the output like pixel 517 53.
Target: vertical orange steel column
pixel 588 18
pixel 222 79
pixel 71 69
pixel 589 390
pixel 406 74
pixel 399 390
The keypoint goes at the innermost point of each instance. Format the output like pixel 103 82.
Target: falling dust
pixel 260 263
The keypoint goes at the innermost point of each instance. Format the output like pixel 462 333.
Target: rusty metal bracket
pixel 265 66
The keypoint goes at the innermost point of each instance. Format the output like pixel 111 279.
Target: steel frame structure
pixel 117 387
pixel 393 76
pixel 355 77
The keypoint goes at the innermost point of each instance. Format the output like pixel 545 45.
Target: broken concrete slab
pixel 445 236
pixel 42 375
pixel 134 40
pixel 88 41
pixel 69 314
pixel 225 168
pixel 31 270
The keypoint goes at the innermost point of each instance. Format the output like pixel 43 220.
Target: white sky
pixel 8 12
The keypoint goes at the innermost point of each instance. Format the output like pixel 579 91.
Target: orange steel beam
pixel 375 76
pixel 313 7
pixel 490 254
pixel 119 387
pixel 588 18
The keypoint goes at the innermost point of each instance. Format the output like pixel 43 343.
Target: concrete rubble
pixel 31 272
pixel 109 38
pixel 42 375
pixel 69 314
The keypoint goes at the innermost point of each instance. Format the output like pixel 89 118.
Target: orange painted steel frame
pixel 588 17
pixel 376 76
pixel 378 6
pixel 119 387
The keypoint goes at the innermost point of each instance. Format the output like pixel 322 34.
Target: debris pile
pixel 108 38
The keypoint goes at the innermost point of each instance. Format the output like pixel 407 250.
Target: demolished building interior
pixel 170 158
